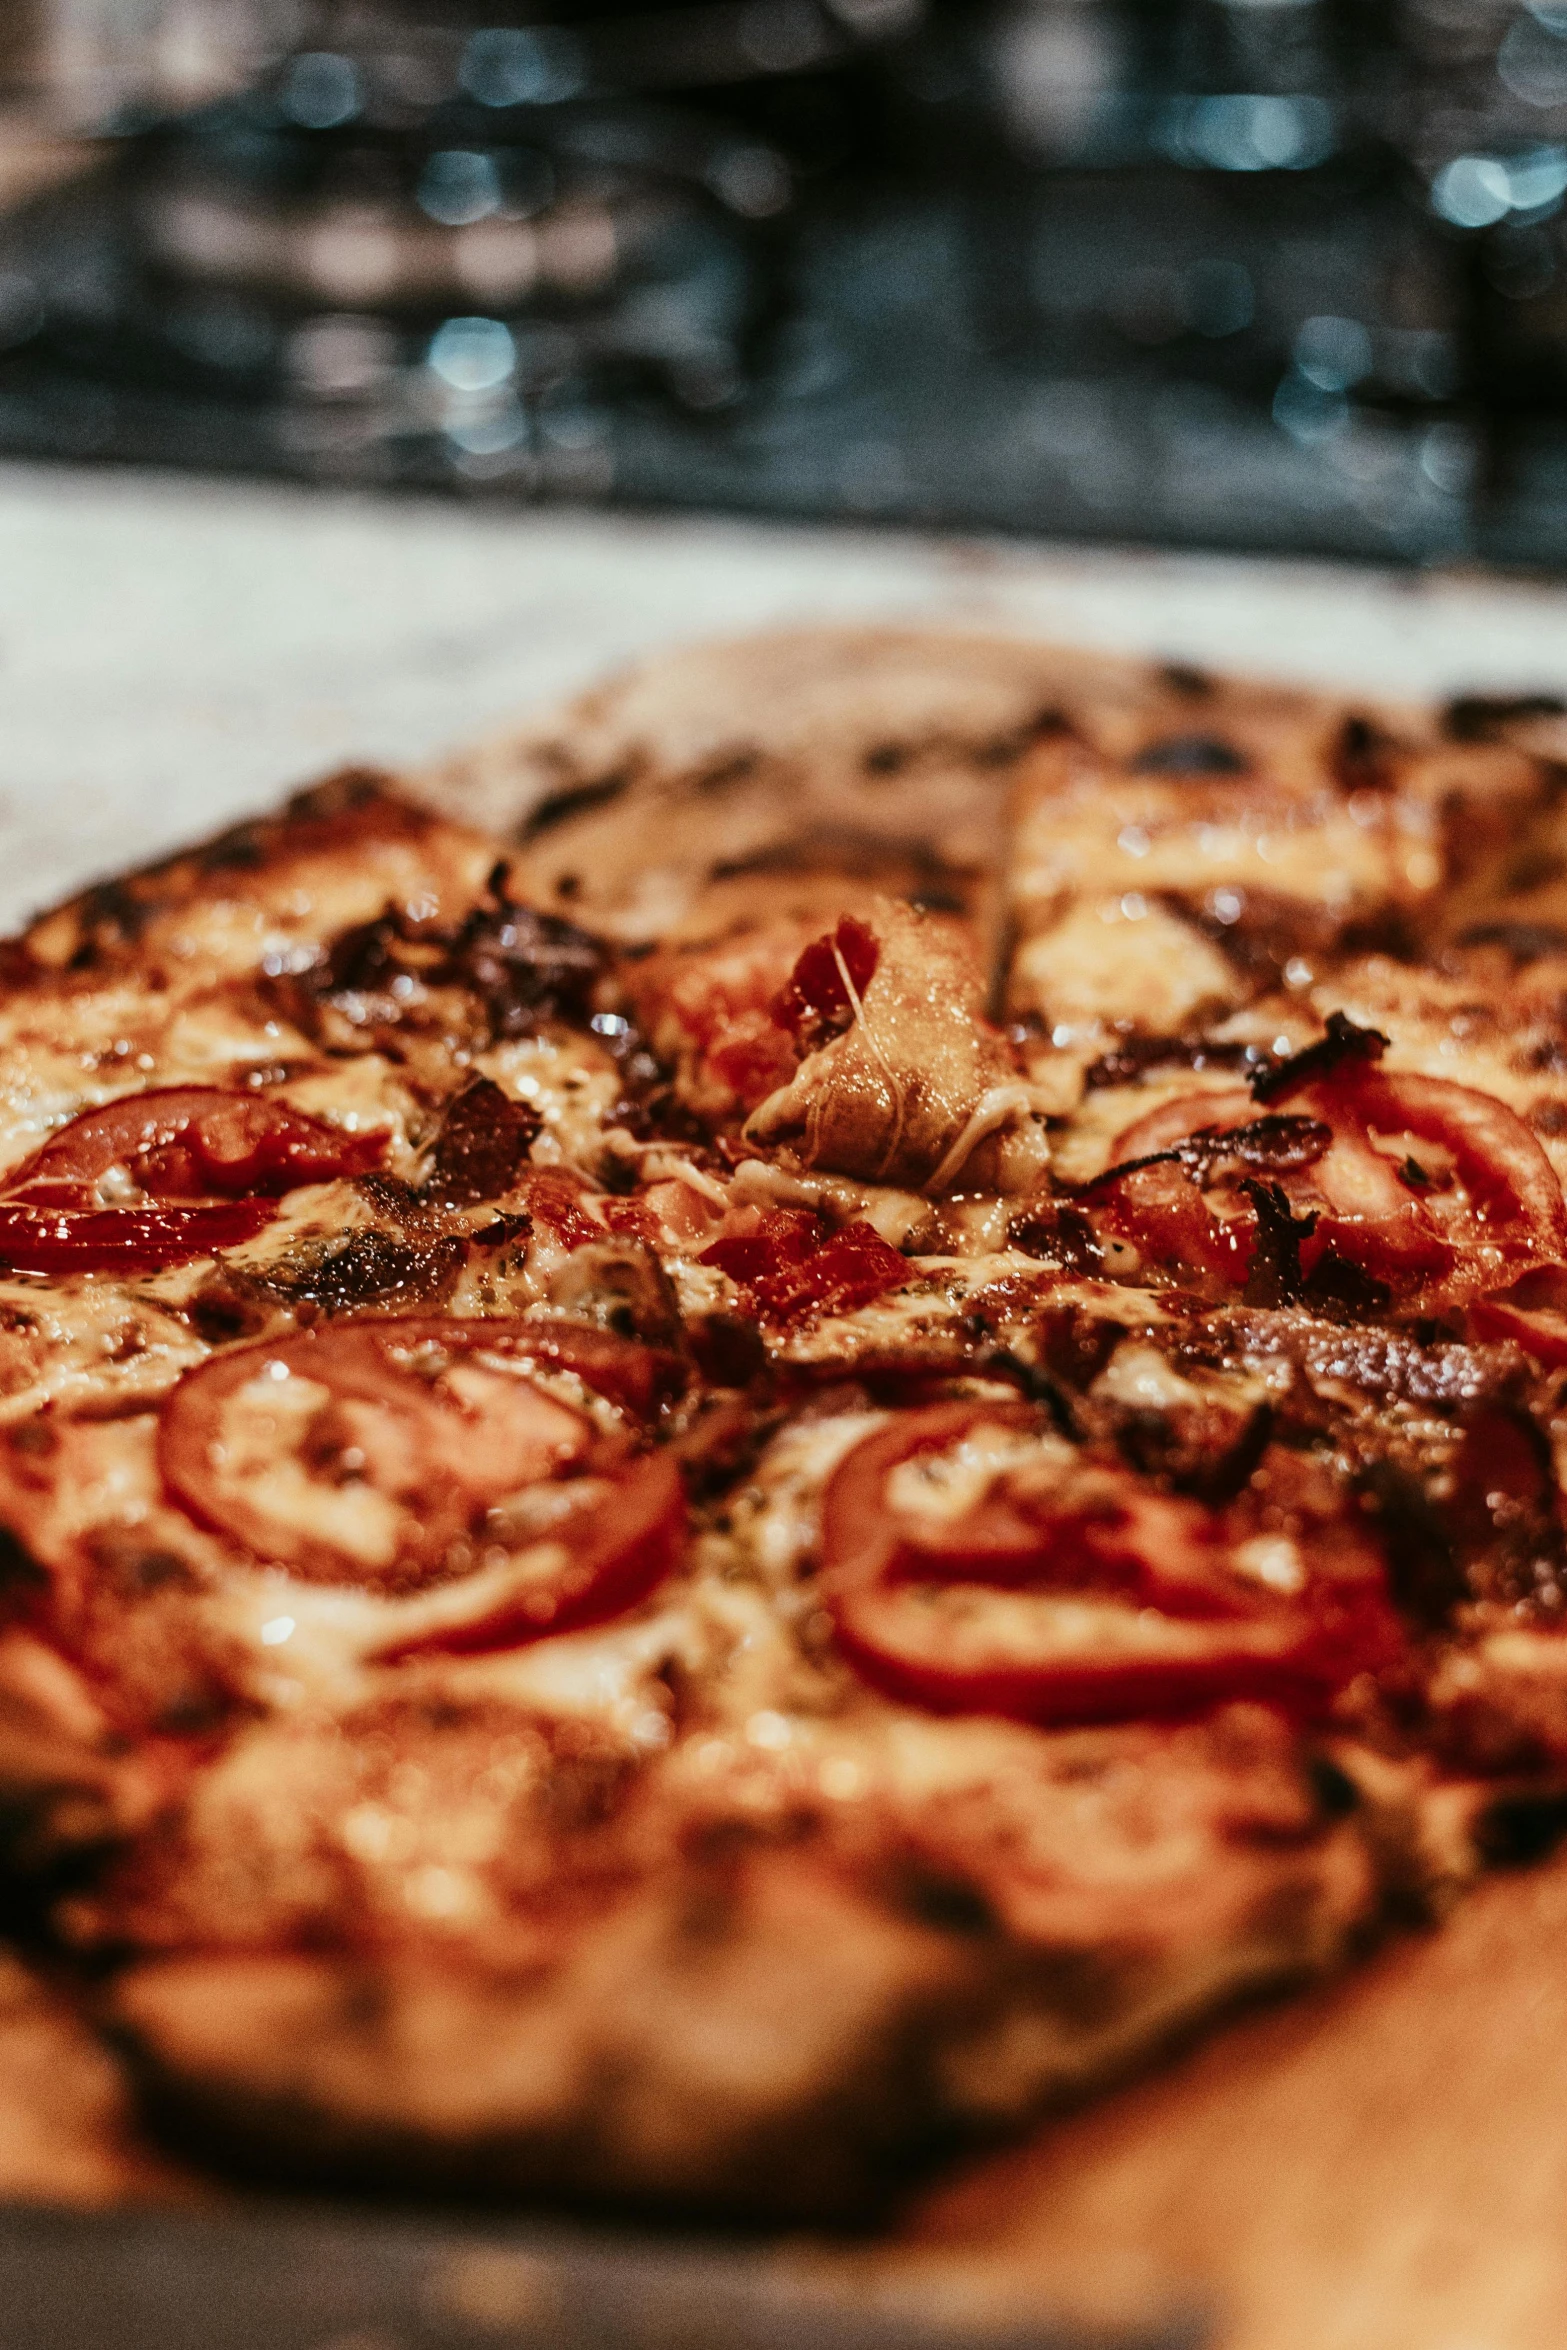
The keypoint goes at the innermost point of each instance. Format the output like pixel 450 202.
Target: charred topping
pixel 1221 1479
pixel 1521 1826
pixel 1480 718
pixel 367 1269
pixel 1274 1277
pixel 1335 1285
pixel 1280 1144
pixel 1526 942
pixel 1184 678
pixel 1424 1573
pixel 1057 1235
pixel 1133 1054
pixel 1038 1386
pixel 575 799
pixel 1190 754
pixel 1364 756
pixel 1345 1042
pixel 482 1146
pixel 524 967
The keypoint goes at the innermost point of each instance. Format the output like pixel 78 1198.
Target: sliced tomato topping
pixel 408 1451
pixel 158 1178
pixel 791 1270
pixel 973 1562
pixel 1366 1186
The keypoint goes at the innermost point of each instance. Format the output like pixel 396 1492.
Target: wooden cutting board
pixel 1381 2165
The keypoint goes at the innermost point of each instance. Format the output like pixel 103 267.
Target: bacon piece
pixel 482 1145
pixel 792 1271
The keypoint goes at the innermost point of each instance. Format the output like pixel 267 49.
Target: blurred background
pixel 1286 275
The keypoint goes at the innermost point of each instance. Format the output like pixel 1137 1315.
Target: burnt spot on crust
pixel 1184 678
pixel 109 923
pixel 885 760
pixel 1190 755
pixel 1364 756
pixel 1521 1826
pixel 575 799
pixel 1480 718
pixel 1259 931
pixel 1525 942
pixel 482 1146
pixel 953 1905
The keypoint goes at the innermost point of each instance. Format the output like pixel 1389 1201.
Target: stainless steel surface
pixel 287 2278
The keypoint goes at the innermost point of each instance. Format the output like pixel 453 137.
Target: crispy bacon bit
pixel 1345 1043
pixel 482 1145
pixel 792 1270
pixel 816 1002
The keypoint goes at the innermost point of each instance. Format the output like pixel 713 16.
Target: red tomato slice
pixel 175 1145
pixel 1068 1591
pixel 396 1452
pixel 1428 1189
pixel 123 1240
pixel 622 1547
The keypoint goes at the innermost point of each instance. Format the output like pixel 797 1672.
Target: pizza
pixel 774 1424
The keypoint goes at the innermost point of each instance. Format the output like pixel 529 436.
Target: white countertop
pixel 173 654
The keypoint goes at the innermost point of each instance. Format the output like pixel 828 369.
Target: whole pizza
pixel 769 1427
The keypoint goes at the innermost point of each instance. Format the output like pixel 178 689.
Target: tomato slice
pixel 1050 1588
pixel 158 1178
pixel 1419 1191
pixel 400 1452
